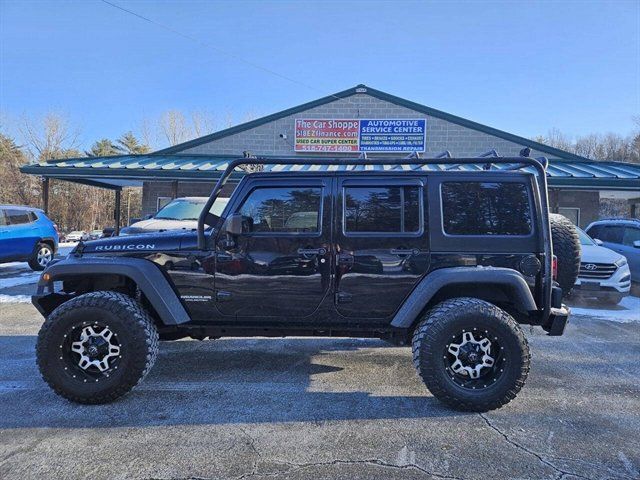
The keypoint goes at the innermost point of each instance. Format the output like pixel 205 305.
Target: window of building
pixel 382 209
pixel 18 217
pixel 486 208
pixel 282 210
pixel 571 213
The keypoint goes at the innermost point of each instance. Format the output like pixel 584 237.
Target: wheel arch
pixel 504 287
pixel 123 274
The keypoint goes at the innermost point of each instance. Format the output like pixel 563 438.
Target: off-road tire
pixel 136 333
pixel 33 260
pixel 434 333
pixel 567 249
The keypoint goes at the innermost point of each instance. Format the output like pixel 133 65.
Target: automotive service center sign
pixel 360 135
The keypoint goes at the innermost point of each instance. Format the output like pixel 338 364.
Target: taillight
pixel 554 268
pixel 55 227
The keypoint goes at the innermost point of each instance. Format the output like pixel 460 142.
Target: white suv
pixel 604 274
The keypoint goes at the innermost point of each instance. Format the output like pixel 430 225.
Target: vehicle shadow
pixel 231 381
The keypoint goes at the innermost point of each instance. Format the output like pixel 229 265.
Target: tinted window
pixel 485 208
pixel 610 233
pixel 291 210
pixel 382 209
pixel 16 217
pixel 631 235
pixel 3 219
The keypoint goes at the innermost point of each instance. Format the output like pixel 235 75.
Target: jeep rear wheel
pixel 470 354
pixel 96 347
pixel 567 249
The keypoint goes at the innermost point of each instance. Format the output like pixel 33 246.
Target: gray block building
pixel 346 124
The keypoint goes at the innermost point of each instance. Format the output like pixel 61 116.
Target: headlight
pixel 621 262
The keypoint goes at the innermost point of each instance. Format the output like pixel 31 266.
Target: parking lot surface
pixel 324 408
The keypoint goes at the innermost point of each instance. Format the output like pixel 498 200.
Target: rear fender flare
pixel 149 279
pixel 510 280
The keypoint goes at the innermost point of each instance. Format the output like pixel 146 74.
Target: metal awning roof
pixel 131 170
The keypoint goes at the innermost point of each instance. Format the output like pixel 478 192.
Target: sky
pixel 524 67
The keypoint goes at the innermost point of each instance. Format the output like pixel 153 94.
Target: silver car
pixel 604 274
pixel 179 214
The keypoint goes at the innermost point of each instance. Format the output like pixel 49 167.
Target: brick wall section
pixel 441 134
pixel 587 202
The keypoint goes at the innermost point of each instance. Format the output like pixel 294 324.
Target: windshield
pixel 584 238
pixel 182 209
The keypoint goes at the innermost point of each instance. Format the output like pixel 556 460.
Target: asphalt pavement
pixel 324 408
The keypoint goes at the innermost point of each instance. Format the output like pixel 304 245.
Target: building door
pixel 381 244
pixel 280 265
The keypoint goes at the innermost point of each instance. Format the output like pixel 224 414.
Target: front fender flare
pixel 149 279
pixel 511 280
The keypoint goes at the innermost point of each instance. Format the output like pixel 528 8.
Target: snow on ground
pixel 15 298
pixel 628 310
pixel 20 279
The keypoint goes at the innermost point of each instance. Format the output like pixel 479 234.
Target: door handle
pixel 312 251
pixel 405 251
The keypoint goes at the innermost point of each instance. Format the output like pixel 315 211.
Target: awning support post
pixel 45 195
pixel 174 189
pixel 116 213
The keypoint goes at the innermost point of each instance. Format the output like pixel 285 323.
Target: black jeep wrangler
pixel 446 255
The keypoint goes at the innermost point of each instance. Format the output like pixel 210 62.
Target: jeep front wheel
pixel 96 347
pixel 470 354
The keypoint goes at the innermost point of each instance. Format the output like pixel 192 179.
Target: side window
pixel 611 233
pixel 18 217
pixel 486 208
pixel 631 234
pixel 382 210
pixel 282 210
pixel 3 218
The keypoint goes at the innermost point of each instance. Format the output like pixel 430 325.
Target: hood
pixel 148 242
pixel 598 254
pixel 159 224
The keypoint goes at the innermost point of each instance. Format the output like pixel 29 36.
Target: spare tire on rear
pixel 566 248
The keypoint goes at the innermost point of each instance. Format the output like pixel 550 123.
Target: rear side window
pixel 282 210
pixel 486 208
pixel 631 235
pixel 382 209
pixel 3 219
pixel 17 217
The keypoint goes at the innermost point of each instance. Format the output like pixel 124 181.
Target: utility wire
pixel 218 49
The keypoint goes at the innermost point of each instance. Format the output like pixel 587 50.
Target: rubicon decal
pixel 131 246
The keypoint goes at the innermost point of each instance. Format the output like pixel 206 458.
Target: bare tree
pixel 49 136
pixel 174 127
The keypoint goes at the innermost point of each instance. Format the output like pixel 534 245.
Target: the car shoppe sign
pixel 360 135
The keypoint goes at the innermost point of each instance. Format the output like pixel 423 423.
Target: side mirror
pixel 147 217
pixel 233 224
pixel 598 241
pixel 636 244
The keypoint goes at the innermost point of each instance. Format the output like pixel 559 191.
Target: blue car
pixel 27 235
pixel 621 235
